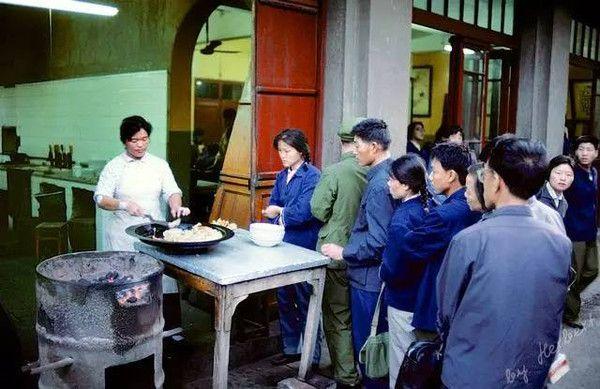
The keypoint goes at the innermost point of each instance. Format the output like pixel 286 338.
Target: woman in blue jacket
pixel 290 206
pixel 401 275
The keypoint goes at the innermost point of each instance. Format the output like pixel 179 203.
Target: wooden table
pixel 236 268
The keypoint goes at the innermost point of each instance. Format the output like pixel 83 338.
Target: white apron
pixel 145 190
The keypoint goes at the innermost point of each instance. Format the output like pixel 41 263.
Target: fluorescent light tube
pixel 67 5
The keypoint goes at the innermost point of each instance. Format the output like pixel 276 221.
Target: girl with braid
pixel 407 185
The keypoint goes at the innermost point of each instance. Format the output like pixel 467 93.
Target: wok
pixel 147 231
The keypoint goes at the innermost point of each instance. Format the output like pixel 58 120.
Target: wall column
pixel 367 68
pixel 543 75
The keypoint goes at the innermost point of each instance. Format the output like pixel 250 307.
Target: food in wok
pixel 198 233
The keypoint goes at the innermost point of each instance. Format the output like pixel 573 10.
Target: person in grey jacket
pixel 364 250
pixel 503 282
pixel 560 176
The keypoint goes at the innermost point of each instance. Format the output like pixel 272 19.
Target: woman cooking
pixel 289 206
pixel 132 186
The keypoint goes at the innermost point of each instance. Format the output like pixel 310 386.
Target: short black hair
pixel 411 129
pixel 410 170
pixel 487 149
pixel 294 138
pixel 453 156
pixel 586 139
pixel 373 130
pixel 560 160
pixel 521 164
pixel 132 125
pixel 453 129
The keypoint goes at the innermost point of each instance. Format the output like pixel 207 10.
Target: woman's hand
pixel 179 211
pixel 133 209
pixel 333 251
pixel 272 211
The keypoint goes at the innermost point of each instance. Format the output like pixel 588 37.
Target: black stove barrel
pixel 97 310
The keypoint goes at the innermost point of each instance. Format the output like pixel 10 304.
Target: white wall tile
pixel 86 112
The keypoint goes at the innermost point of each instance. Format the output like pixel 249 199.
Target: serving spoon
pixel 171 224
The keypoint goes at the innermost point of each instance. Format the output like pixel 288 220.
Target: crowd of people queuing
pixel 474 252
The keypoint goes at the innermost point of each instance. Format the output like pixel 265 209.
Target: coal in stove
pixel 97 310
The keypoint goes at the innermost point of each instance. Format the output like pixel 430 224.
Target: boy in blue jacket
pixel 428 243
pixel 581 224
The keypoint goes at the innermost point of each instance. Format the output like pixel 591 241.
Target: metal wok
pixel 149 232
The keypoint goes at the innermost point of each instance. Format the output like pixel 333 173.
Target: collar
pixel 299 171
pixel 552 192
pixel 383 165
pixel 411 197
pixel 347 155
pixel 129 158
pixel 510 210
pixel 458 194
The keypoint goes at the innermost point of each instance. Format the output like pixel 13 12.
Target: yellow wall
pixel 223 66
pixel 440 61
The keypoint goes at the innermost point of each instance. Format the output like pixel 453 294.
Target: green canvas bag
pixel 374 353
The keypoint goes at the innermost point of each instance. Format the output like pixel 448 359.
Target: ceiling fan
pixel 211 46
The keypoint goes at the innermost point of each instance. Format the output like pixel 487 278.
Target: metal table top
pixel 238 259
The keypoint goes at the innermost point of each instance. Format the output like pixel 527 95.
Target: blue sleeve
pixel 391 266
pixel 275 198
pixel 298 212
pixel 424 242
pixel 368 245
pixel 452 281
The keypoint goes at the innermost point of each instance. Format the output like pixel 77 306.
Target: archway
pixel 179 117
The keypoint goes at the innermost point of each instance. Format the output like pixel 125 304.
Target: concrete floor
pixel 189 364
pixel 582 347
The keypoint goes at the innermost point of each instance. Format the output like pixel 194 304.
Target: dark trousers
pixel 337 325
pixel 171 311
pixel 585 262
pixel 363 307
pixel 292 303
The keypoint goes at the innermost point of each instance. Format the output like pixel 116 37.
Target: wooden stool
pixel 56 232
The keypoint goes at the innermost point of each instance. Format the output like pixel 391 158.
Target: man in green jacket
pixel 335 202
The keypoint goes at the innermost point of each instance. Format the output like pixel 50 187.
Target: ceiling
pixel 425 39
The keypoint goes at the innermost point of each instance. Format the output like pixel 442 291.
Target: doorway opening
pixel 220 70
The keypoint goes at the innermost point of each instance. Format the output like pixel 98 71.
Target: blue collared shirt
pixel 301 228
pixel 364 250
pixel 582 196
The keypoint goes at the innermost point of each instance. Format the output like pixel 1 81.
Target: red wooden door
pixel 287 81
pixel 287 74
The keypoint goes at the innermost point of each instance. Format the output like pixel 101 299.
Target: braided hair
pixel 410 170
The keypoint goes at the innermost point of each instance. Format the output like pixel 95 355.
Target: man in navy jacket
pixel 502 284
pixel 581 224
pixel 364 250
pixel 428 243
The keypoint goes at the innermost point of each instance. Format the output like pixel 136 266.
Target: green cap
pixel 345 130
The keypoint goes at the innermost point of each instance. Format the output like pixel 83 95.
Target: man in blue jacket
pixel 502 284
pixel 364 250
pixel 428 243
pixel 581 224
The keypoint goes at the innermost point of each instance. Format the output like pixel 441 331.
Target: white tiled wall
pixel 86 112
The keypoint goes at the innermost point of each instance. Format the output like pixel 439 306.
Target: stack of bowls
pixel 266 234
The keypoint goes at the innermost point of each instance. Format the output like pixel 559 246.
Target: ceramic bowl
pixel 266 234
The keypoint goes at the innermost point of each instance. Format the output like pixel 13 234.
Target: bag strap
pixel 375 320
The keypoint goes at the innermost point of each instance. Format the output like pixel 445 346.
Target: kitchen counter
pixel 53 173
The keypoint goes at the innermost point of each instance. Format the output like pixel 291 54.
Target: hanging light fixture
pixel 66 5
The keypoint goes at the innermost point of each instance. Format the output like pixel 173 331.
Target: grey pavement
pixel 582 347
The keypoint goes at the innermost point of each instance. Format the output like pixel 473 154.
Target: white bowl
pixel 266 234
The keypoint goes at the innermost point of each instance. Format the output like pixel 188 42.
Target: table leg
pixel 224 309
pixel 312 322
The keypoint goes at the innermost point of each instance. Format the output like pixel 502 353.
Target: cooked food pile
pixel 225 223
pixel 197 233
